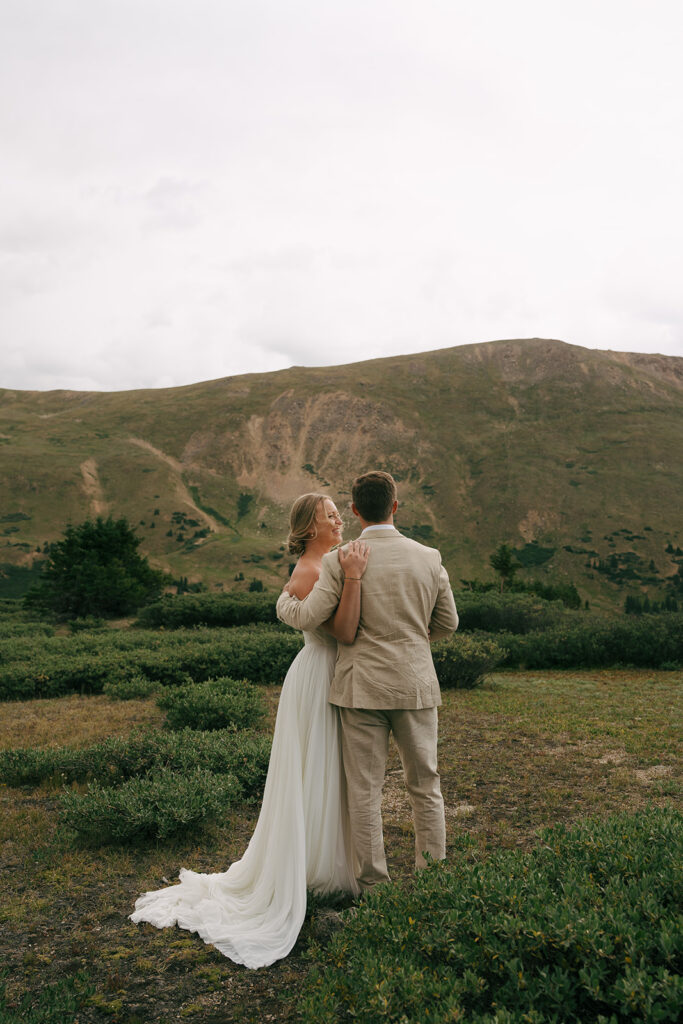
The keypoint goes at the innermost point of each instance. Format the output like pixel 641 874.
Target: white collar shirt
pixel 379 526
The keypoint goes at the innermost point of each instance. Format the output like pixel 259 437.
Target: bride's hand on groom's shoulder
pixel 353 558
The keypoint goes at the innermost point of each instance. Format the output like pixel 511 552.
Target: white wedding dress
pixel 253 912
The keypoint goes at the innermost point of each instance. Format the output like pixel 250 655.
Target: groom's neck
pixel 384 522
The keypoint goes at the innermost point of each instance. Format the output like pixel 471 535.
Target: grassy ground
pixel 527 750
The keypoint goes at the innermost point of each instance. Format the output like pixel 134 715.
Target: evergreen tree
pixel 504 563
pixel 96 570
pixel 677 581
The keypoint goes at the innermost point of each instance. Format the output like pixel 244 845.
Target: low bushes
pixel 86 624
pixel 215 704
pixel 164 803
pixel 152 785
pixel 261 654
pixel 52 676
pixel 585 927
pixel 46 666
pixel 238 609
pixel 16 623
pixel 514 613
pixel 462 663
pixel 14 629
pixel 650 641
pixel 135 688
pixel 115 760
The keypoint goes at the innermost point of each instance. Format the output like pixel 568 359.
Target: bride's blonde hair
pixel 302 521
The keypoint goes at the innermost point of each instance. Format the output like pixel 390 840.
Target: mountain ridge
pixel 527 441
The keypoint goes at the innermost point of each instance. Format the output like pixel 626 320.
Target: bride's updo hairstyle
pixel 302 522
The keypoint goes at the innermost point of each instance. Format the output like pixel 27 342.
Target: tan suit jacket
pixel 405 597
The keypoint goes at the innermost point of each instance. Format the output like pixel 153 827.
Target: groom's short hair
pixel 374 495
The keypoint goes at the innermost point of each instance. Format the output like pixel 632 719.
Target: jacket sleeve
pixel 444 620
pixel 317 606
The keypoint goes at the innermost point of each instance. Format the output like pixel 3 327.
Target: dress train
pixel 253 912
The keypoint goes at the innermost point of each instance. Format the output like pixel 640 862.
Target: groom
pixel 385 681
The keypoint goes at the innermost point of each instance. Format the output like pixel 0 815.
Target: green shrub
pixel 85 624
pixel 515 613
pixel 52 677
pixel 238 609
pixel 83 663
pixel 26 629
pixel 162 804
pixel 215 704
pixel 462 663
pixel 564 592
pixel 131 689
pixel 244 755
pixel 53 1004
pixel 649 641
pixel 586 927
pixel 16 622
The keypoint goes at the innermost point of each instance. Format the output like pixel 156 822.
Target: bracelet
pixel 356 578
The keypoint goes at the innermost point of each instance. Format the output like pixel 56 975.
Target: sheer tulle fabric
pixel 253 912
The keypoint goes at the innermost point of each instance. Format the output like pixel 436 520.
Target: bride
pixel 253 912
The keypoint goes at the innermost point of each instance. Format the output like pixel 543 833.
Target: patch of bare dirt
pixel 93 487
pixel 613 757
pixel 648 775
pixel 301 443
pixel 561 749
pixel 460 810
pixel 536 522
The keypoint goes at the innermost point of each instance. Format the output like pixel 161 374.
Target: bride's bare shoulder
pixel 303 578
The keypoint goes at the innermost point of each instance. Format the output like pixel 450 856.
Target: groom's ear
pixel 355 510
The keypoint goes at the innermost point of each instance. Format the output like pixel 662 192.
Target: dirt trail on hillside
pixel 182 492
pixel 157 452
pixel 93 487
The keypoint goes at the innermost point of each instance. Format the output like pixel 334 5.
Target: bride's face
pixel 328 524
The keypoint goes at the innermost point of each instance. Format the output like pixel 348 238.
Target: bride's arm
pixel 304 577
pixel 318 603
pixel 344 623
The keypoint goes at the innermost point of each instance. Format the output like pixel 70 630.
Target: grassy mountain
pixel 570 455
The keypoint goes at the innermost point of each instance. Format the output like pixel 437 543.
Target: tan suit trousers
pixel 365 744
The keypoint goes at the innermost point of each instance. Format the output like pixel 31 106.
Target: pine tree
pixel 504 563
pixel 96 570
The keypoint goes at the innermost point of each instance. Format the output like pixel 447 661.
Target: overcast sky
pixel 196 188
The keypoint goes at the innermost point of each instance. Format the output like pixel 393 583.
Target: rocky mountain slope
pixel 572 456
